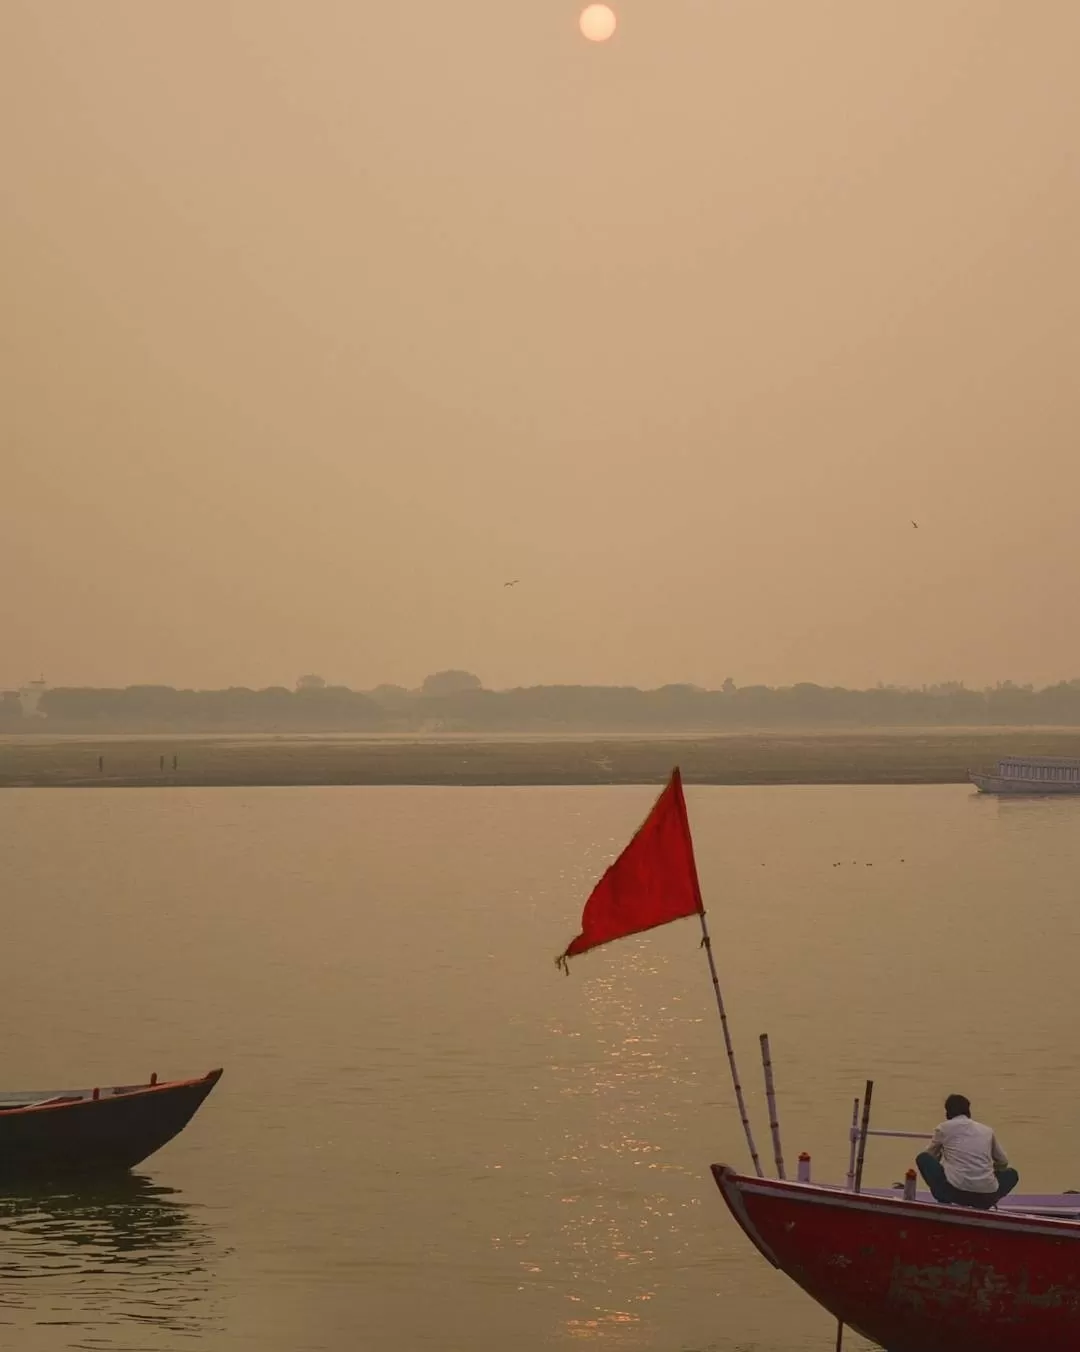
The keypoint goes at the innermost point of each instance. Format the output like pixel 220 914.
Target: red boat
pixel 917 1276
pixel 54 1133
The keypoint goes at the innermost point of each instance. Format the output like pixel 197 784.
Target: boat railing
pixel 860 1132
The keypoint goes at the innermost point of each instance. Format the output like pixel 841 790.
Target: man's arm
pixel 1001 1160
pixel 937 1144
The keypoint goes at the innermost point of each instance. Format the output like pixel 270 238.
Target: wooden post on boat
pixel 857 1181
pixel 864 1130
pixel 706 943
pixel 770 1099
pixel 853 1141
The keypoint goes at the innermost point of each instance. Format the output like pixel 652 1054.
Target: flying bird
pixel 915 524
pixel 512 584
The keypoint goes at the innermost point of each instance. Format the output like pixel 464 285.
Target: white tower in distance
pixel 30 697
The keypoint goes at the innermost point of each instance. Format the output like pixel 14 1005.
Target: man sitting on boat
pixel 965 1164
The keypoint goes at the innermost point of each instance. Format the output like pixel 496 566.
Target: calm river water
pixel 428 1138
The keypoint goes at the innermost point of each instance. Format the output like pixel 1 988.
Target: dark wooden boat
pixel 918 1276
pixel 52 1134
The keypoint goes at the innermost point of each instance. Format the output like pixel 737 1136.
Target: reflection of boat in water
pixel 78 1131
pixel 1033 774
pixel 135 1251
pixel 128 1213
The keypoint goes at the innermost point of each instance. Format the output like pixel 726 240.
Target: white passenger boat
pixel 1030 774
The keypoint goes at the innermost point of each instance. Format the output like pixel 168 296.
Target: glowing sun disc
pixel 598 22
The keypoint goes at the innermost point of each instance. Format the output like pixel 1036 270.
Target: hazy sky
pixel 320 319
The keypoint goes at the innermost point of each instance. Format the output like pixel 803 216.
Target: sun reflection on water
pixel 629 1079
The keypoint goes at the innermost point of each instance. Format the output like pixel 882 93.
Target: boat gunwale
pixel 111 1096
pixel 733 1185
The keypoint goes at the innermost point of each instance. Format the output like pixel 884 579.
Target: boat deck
pixel 29 1098
pixel 1064 1205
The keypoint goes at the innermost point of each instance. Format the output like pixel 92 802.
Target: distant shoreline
pixel 891 756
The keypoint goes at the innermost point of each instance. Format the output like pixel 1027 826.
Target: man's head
pixel 956 1105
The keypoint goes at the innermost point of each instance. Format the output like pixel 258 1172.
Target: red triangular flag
pixel 653 881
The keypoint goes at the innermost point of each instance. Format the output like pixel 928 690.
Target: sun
pixel 598 22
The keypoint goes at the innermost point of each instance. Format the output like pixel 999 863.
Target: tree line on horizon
pixel 457 702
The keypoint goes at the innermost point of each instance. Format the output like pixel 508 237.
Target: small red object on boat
pixel 918 1276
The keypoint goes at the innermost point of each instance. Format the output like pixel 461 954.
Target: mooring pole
pixel 770 1099
pixel 856 1183
pixel 863 1132
pixel 853 1144
pixel 706 943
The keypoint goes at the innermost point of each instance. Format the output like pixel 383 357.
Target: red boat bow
pixel 916 1276
pixel 85 1131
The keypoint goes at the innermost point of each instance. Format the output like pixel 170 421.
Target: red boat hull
pixel 915 1276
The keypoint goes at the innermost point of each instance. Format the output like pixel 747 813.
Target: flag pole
pixel 706 943
pixel 652 882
